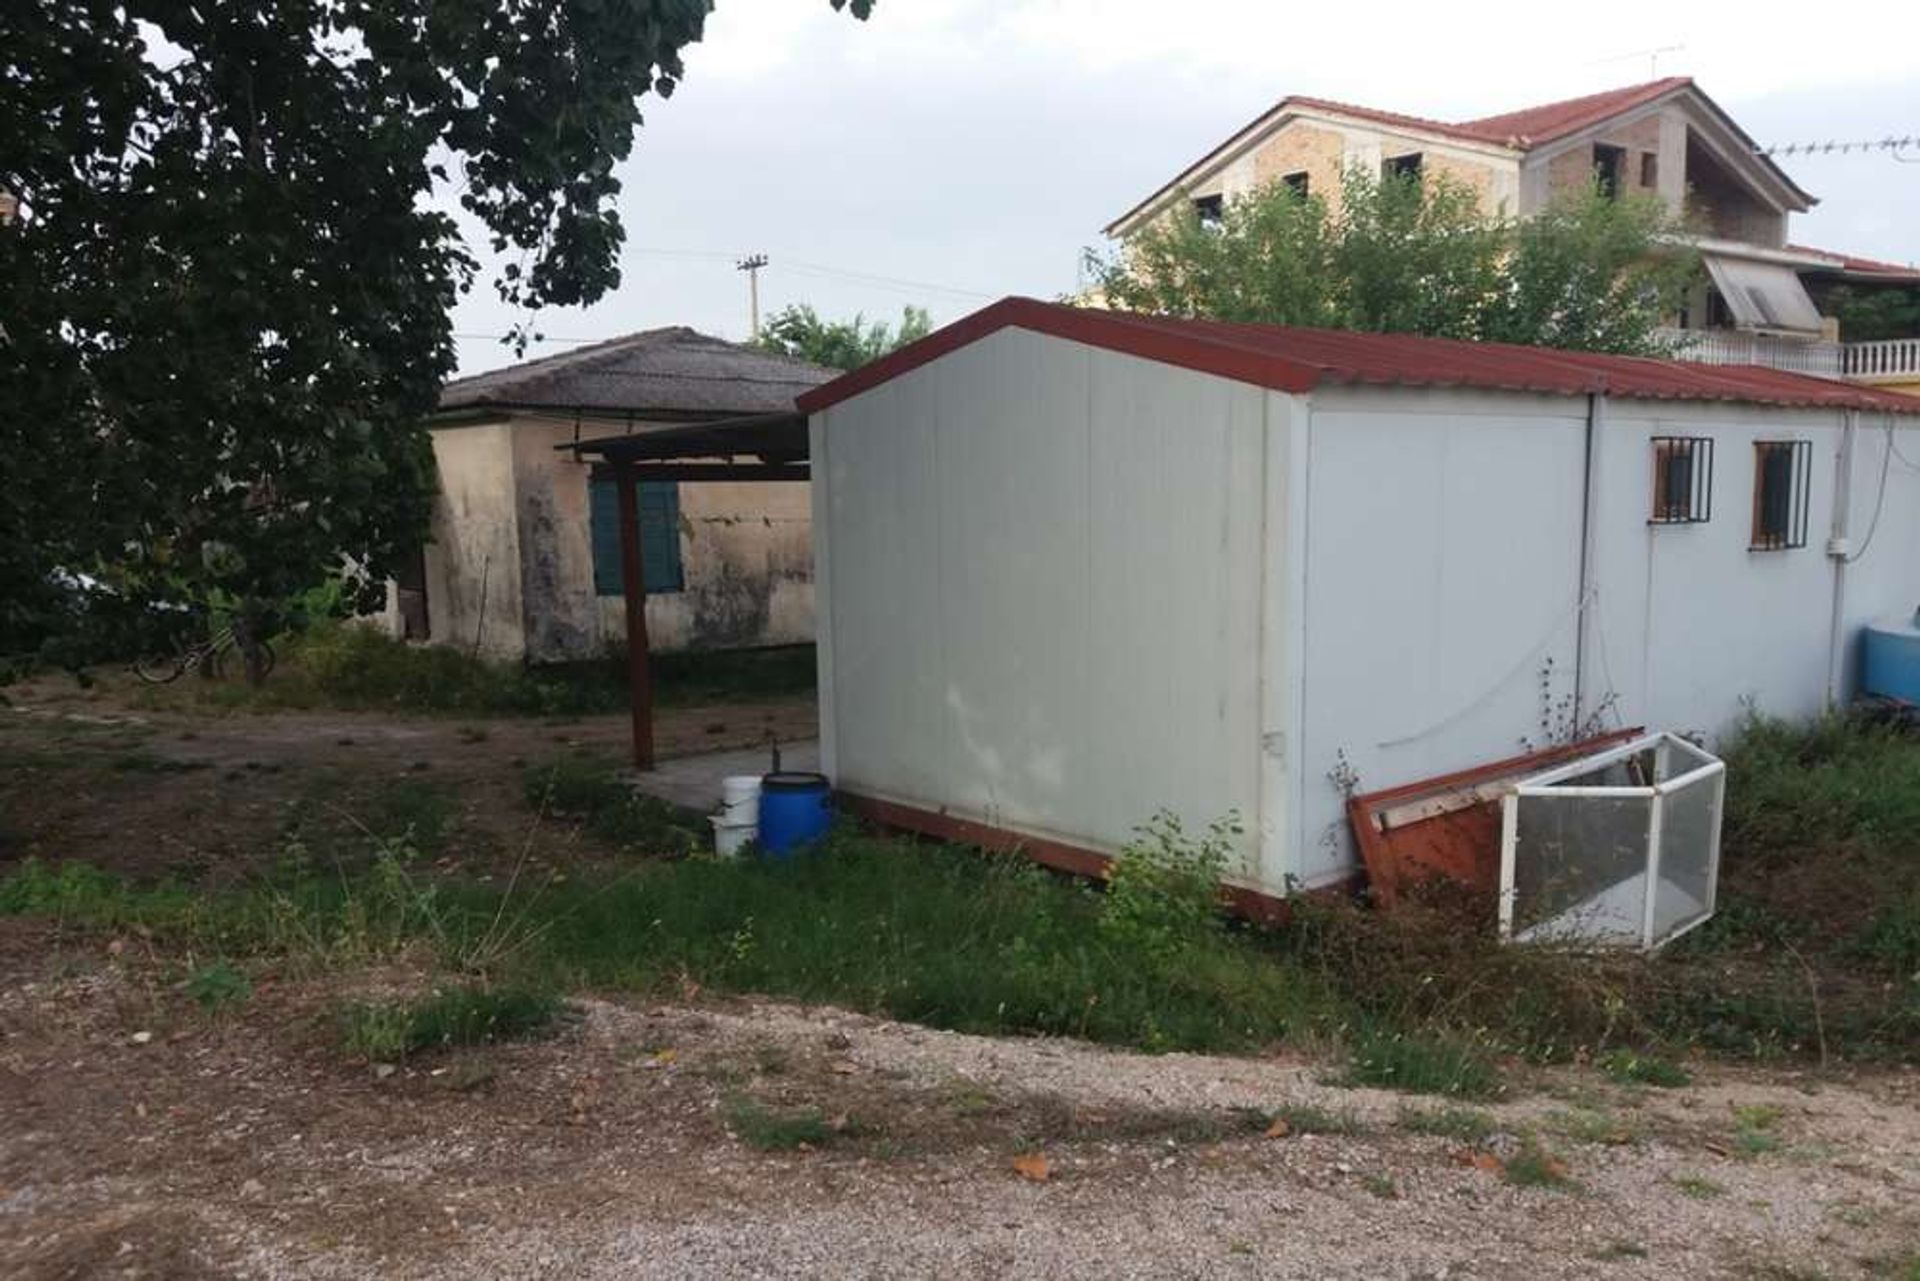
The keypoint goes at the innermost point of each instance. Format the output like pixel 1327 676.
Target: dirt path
pixel 183 791
pixel 145 1137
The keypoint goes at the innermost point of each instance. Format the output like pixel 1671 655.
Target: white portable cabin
pixel 1075 567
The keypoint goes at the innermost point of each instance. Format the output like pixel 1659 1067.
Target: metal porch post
pixel 633 587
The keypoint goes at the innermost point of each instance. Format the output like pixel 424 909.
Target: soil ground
pixel 141 1135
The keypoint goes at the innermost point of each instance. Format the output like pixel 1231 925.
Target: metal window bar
pixel 1682 480
pixel 1782 486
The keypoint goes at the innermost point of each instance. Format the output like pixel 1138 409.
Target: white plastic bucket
pixel 740 799
pixel 729 838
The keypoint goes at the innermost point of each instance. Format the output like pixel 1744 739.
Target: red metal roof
pixel 1298 360
pixel 1862 266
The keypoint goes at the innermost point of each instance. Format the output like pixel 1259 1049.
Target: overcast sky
pixel 948 152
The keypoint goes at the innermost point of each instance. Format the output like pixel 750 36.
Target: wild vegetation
pixel 799 331
pixel 1406 255
pixel 343 665
pixel 1812 957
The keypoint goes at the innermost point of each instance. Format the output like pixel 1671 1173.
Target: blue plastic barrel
pixel 795 810
pixel 1892 659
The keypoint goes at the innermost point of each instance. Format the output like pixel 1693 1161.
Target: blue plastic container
pixel 795 811
pixel 1890 663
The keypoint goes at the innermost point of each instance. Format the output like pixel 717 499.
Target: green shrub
pixel 1643 1069
pixel 1163 888
pixel 218 985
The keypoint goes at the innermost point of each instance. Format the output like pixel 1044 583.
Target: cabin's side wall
pixel 1042 566
pixel 1443 582
pixel 1691 623
pixel 1440 591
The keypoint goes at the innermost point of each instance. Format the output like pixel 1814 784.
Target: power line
pixel 1889 143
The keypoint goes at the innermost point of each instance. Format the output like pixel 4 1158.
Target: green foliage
pixel 1643 1069
pixel 799 331
pixel 228 288
pixel 1163 888
pixel 1871 315
pixel 216 986
pixel 387 1031
pixel 1401 255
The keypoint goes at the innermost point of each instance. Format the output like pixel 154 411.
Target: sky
pixel 946 153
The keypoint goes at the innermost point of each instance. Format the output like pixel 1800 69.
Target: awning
pixel 757 447
pixel 1763 295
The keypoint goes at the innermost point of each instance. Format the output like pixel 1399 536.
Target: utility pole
pixel 752 264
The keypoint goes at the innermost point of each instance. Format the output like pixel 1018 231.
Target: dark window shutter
pixel 659 536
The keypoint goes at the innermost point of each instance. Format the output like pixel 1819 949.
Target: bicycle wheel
pixel 163 670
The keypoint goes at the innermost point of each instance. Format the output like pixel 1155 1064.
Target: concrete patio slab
pixel 693 782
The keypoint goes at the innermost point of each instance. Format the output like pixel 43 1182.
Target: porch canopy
pixel 761 447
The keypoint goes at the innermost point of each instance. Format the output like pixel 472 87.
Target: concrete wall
pixel 473 560
pixel 1043 565
pixel 515 508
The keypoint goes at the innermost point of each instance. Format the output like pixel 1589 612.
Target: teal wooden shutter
pixel 660 566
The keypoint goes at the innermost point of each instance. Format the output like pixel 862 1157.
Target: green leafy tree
pixel 839 344
pixel 1402 255
pixel 228 273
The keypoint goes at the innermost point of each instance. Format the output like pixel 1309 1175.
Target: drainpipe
pixel 1589 510
pixel 1840 551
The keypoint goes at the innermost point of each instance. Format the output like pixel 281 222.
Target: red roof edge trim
pixel 1298 360
pixel 1108 330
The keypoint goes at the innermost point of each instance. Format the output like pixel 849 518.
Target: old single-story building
pixel 1076 566
pixel 524 560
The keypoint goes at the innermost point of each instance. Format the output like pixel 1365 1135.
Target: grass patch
pixel 1534 1166
pixel 767 1129
pixel 1421 1063
pixel 1754 1132
pixel 1697 1186
pixel 387 1031
pixel 1467 1125
pixel 1595 1126
pixel 1643 1069
pixel 1381 1185
pixel 1305 1118
pixel 589 788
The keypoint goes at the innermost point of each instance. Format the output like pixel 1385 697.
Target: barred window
pixel 1682 480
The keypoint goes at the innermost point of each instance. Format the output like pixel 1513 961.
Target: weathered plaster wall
pixel 746 550
pixel 473 562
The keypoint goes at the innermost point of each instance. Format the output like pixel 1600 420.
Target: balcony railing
pixel 1893 358
pixel 1732 347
